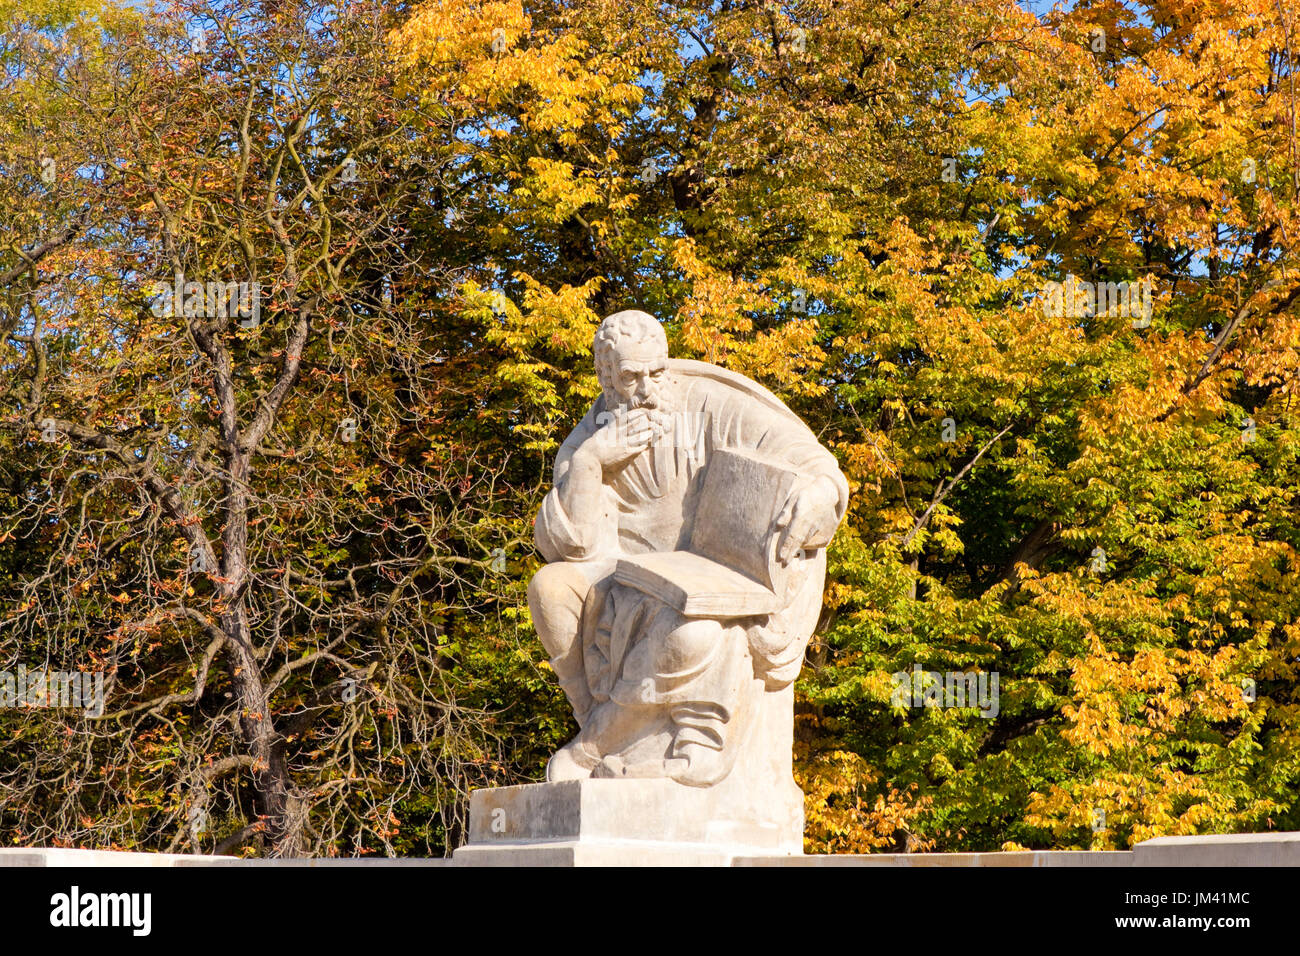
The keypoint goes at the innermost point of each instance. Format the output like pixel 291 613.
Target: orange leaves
pixel 841 814
pixel 714 324
pixel 466 53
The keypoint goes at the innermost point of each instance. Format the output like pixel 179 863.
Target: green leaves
pixel 779 199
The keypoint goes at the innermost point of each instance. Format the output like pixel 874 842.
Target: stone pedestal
pixel 654 822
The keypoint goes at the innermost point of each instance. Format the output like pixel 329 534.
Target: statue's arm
pixel 812 459
pixel 832 479
pixel 572 524
pixel 742 422
pixel 569 523
pixel 816 505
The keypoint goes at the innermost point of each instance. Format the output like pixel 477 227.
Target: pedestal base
pixel 575 853
pixel 613 823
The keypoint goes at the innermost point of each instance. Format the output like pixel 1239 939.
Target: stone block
pixel 611 822
pixel 1228 849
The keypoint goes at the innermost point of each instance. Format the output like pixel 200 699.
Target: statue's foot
pixel 616 768
pixel 695 765
pixel 574 761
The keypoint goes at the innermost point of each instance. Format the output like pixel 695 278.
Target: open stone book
pixel 730 569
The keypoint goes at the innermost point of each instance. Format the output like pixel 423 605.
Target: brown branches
pixel 942 490
pixel 1219 345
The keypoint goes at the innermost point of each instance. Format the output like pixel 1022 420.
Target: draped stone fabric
pixel 684 680
pixel 650 504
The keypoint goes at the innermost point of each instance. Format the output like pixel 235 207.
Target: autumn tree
pixel 300 544
pixel 257 510
pixel 863 205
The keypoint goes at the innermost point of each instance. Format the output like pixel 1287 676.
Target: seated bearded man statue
pixel 692 679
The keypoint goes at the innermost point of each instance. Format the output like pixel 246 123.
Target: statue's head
pixel 631 353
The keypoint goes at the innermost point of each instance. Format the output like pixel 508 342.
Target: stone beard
pixel 706 701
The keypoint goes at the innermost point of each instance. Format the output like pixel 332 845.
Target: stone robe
pixel 632 649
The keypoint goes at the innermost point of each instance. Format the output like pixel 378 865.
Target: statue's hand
pixel 621 437
pixel 808 519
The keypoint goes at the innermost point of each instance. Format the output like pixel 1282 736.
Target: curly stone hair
pixel 630 327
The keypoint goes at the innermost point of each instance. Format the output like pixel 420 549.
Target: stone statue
pixel 685 536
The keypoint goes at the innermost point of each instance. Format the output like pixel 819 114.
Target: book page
pixel 743 494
